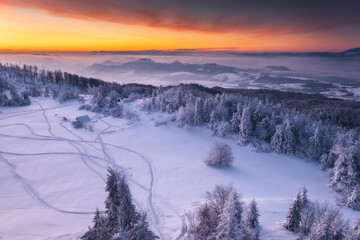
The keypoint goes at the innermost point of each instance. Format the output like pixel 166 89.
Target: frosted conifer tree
pixel 316 148
pixel 246 127
pixel 236 118
pixel 353 200
pixel 229 227
pixel 140 231
pixel 99 230
pixel 283 140
pixel 113 200
pixel 303 197
pixel 293 218
pixel 355 231
pixel 127 215
pixel 198 113
pixel 252 218
pixel 323 230
pixel 340 178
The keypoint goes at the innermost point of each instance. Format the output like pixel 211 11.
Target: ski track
pixel 86 159
pixel 32 192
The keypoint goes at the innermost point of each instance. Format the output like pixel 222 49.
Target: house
pixel 83 119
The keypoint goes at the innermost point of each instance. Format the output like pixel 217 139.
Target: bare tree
pixel 220 155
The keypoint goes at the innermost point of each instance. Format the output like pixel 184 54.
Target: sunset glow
pixel 37 25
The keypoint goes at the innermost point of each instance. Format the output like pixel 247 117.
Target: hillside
pixel 55 175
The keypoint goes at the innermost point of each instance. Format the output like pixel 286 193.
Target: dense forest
pixel 325 130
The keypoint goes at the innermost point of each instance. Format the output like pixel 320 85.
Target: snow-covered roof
pixel 83 119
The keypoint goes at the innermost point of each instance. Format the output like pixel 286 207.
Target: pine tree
pixel 354 164
pixel 340 179
pixel 113 200
pixel 246 126
pixel 140 231
pixel 293 218
pixel 252 218
pixel 198 113
pixel 353 200
pixel 303 197
pixel 229 227
pixel 355 231
pixel 323 230
pixel 251 230
pixel 236 118
pixel 127 215
pixel 283 140
pixel 316 146
pixel 99 230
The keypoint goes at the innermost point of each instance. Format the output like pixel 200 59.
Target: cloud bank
pixel 259 17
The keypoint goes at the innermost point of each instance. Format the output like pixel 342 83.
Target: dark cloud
pixel 263 17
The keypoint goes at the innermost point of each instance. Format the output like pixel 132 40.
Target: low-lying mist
pixel 331 76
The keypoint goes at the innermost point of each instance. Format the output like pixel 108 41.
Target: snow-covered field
pixel 53 176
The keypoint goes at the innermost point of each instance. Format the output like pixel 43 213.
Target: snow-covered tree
pixel 246 126
pixel 303 197
pixel 220 155
pixel 293 218
pixel 140 231
pixel 252 218
pixel 230 226
pixel 127 215
pixel 99 230
pixel 198 113
pixel 323 230
pixel 202 223
pixel 251 228
pixel 353 201
pixel 236 118
pixel 283 140
pixel 112 202
pixel 355 231
pixel 316 144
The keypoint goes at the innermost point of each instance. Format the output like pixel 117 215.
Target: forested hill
pixel 31 81
pixel 308 126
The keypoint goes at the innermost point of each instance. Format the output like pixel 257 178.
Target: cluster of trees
pixel 222 216
pixel 29 80
pixel 120 221
pixel 280 123
pixel 316 221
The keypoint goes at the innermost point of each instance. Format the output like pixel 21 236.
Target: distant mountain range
pixel 353 53
pixel 145 66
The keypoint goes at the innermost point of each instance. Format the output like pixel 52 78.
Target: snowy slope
pixel 53 176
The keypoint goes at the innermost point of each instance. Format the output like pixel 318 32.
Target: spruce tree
pixel 293 218
pixel 127 215
pixel 323 230
pixel 198 113
pixel 353 200
pixel 236 118
pixel 252 218
pixel 229 227
pixel 246 126
pixel 112 202
pixel 283 140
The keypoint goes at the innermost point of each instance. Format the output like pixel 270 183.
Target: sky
pixel 112 25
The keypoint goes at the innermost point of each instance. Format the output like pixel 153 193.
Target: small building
pixel 83 119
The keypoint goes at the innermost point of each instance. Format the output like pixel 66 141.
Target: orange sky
pixel 24 28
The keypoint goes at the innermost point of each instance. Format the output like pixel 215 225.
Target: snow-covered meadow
pixel 53 176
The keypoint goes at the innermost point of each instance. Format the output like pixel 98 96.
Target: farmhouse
pixel 83 119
